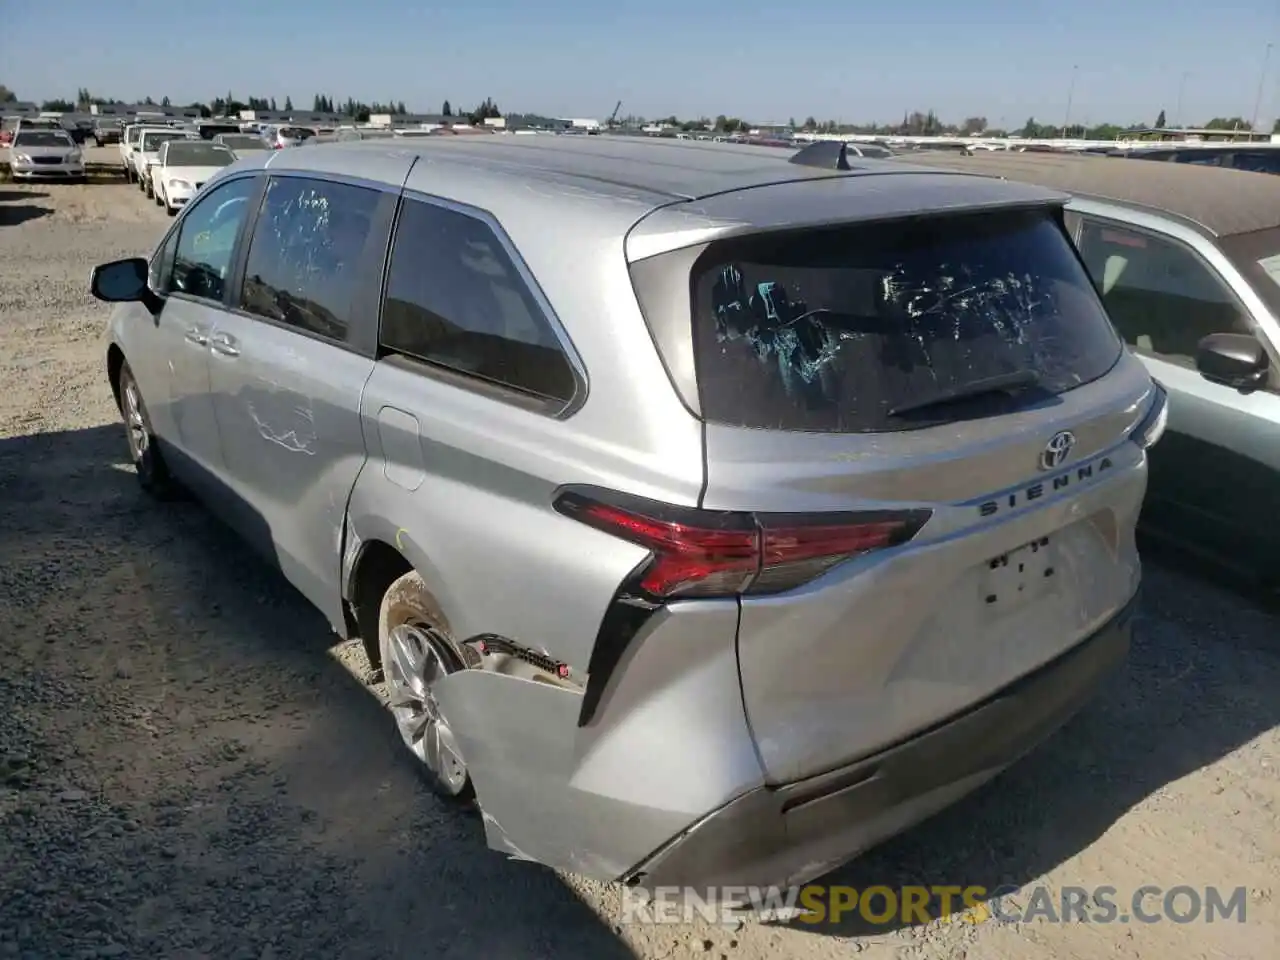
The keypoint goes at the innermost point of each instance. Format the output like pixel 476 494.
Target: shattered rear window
pixel 831 330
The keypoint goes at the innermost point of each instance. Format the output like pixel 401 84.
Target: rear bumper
pixel 788 835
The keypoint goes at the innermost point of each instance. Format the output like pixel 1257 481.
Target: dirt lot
pixel 190 768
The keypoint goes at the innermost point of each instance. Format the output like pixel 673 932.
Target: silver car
pixel 38 152
pixel 712 516
pixel 1187 260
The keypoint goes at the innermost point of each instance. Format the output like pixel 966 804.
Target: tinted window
pixel 836 330
pixel 1203 158
pixel 455 298
pixel 304 258
pixel 1260 161
pixel 207 240
pixel 1162 296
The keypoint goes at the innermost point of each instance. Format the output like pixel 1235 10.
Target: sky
pixel 1005 60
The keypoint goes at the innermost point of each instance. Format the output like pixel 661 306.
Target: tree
pixel 273 105
pixel 446 110
pixel 1160 121
pixel 810 123
pixel 1228 123
pixel 164 102
pixel 7 95
pixel 1031 130
pixel 58 106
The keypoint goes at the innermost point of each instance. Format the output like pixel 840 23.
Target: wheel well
pixel 378 566
pixel 115 360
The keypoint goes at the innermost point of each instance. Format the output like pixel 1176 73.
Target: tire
pixel 171 211
pixel 148 462
pixel 412 640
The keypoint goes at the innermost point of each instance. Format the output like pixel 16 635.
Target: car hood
pixel 44 151
pixel 192 175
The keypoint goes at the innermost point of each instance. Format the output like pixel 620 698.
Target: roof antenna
pixel 824 154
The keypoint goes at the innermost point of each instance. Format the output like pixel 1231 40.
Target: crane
pixel 613 117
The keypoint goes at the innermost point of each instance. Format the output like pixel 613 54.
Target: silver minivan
pixel 712 514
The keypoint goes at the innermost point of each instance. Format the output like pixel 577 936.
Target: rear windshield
pixel 296 133
pixel 151 141
pixel 198 154
pixel 838 330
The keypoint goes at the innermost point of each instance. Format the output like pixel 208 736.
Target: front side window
pixel 455 298
pixel 304 258
pixel 1163 297
pixel 207 240
pixel 871 328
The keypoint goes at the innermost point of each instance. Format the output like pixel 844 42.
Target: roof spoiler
pixel 825 155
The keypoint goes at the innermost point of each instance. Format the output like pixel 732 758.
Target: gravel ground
pixel 189 767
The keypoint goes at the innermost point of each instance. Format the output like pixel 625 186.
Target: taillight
pixel 713 553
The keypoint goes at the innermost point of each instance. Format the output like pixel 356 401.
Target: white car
pixel 147 153
pixel 129 146
pixel 182 169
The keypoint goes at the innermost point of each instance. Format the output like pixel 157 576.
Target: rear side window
pixel 304 259
pixel 455 298
pixel 851 330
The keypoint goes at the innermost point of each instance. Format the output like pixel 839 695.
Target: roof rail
pixel 824 154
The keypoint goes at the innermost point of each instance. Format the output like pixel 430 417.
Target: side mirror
pixel 121 281
pixel 1233 359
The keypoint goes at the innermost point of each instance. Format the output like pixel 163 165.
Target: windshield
pixel 1257 255
pixel 198 155
pixel 41 138
pixel 151 141
pixel 296 133
pixel 845 330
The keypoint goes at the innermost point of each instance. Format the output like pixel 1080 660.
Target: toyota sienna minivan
pixel 713 513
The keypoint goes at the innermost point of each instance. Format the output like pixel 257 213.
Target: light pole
pixel 1182 89
pixel 1257 102
pixel 1071 93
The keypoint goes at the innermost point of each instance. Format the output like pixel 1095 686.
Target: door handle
pixel 225 345
pixel 198 337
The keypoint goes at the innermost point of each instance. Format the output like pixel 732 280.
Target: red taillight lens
pixel 706 553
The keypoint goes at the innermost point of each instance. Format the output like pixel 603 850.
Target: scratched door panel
pixel 288 411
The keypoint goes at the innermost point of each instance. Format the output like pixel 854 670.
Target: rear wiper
pixel 1009 383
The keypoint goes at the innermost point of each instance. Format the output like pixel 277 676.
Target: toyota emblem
pixel 1057 450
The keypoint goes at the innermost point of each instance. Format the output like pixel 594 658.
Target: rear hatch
pixel 933 422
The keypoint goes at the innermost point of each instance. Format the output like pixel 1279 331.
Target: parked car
pixel 129 140
pixel 1187 259
pixel 37 152
pixel 209 130
pixel 240 143
pixel 184 168
pixel 278 138
pixel 147 155
pixel 106 131
pixel 722 581
pixel 1256 157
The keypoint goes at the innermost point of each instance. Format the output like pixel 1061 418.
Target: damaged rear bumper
pixel 791 834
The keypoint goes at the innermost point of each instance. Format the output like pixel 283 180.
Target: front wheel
pixel 148 463
pixel 416 655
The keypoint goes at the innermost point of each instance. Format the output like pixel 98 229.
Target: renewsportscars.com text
pixel 884 905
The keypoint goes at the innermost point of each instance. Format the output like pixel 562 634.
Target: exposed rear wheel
pixel 416 655
pixel 153 475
